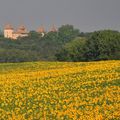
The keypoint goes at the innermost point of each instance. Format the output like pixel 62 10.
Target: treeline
pixel 67 44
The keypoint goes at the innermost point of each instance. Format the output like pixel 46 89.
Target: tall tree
pixel 103 45
pixel 67 33
pixel 73 51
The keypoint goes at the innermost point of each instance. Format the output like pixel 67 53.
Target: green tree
pixel 103 45
pixel 1 34
pixel 73 51
pixel 33 35
pixel 67 33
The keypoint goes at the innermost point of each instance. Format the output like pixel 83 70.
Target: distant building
pixel 9 32
pixel 53 29
pixel 41 30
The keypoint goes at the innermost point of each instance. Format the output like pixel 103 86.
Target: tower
pixel 22 29
pixel 8 31
pixel 41 30
pixel 53 29
pixel 21 32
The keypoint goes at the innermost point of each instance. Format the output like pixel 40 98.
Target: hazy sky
pixel 87 15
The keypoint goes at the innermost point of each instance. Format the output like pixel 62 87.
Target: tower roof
pixel 22 29
pixel 53 29
pixel 41 30
pixel 8 27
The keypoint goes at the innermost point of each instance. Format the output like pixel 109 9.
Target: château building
pixel 9 31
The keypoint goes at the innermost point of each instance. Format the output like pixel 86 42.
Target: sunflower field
pixel 60 91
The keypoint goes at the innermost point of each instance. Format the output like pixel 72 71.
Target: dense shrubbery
pixel 68 44
pixel 73 51
pixel 99 45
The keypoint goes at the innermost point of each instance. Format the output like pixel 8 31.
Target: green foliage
pixel 35 47
pixel 103 45
pixel 16 55
pixel 34 35
pixel 67 33
pixel 99 45
pixel 73 51
pixel 66 44
pixel 1 34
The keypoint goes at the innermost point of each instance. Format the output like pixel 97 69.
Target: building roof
pixel 22 29
pixel 53 29
pixel 8 27
pixel 41 30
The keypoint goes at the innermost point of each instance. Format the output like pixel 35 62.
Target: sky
pixel 86 15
